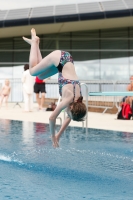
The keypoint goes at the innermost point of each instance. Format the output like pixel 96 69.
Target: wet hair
pixel 26 66
pixel 78 110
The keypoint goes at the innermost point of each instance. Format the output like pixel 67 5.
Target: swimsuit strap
pixel 74 91
pixel 80 90
pixel 74 84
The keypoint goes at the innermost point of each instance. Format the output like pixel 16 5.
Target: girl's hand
pixel 55 141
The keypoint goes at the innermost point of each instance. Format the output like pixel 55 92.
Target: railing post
pixel 86 102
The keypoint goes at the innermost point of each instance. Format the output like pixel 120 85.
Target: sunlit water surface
pixel 96 165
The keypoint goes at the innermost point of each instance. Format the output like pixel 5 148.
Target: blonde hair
pixel 7 80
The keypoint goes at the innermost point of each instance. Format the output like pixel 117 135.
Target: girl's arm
pixel 55 138
pixel 67 99
pixel 1 90
pixel 54 115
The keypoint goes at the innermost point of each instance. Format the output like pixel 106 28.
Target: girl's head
pixel 7 82
pixel 77 110
pixel 26 66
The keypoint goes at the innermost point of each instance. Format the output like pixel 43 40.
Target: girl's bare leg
pixel 38 100
pixel 6 101
pixel 35 54
pixel 48 65
pixel 29 41
pixel 33 60
pixel 1 101
pixel 42 100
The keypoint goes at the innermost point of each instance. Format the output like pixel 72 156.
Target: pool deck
pixel 95 120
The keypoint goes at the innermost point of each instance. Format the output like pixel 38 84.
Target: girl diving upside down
pixel 60 62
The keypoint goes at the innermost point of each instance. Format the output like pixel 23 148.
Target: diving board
pixel 111 93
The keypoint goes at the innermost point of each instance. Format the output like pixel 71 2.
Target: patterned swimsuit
pixel 66 57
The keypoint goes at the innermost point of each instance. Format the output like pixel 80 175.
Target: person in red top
pixel 39 86
pixel 130 88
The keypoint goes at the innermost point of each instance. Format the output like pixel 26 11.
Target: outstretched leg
pixel 33 60
pixel 48 65
pixel 29 41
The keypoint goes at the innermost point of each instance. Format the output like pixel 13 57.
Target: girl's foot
pixel 29 40
pixel 33 35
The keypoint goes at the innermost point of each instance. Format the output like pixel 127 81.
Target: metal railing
pixel 101 102
pixel 16 95
pixel 105 102
pixel 86 102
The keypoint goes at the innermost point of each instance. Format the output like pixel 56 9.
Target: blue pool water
pixel 96 165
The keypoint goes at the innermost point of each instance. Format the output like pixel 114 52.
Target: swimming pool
pixel 96 165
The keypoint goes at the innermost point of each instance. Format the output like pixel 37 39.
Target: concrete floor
pixel 95 120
